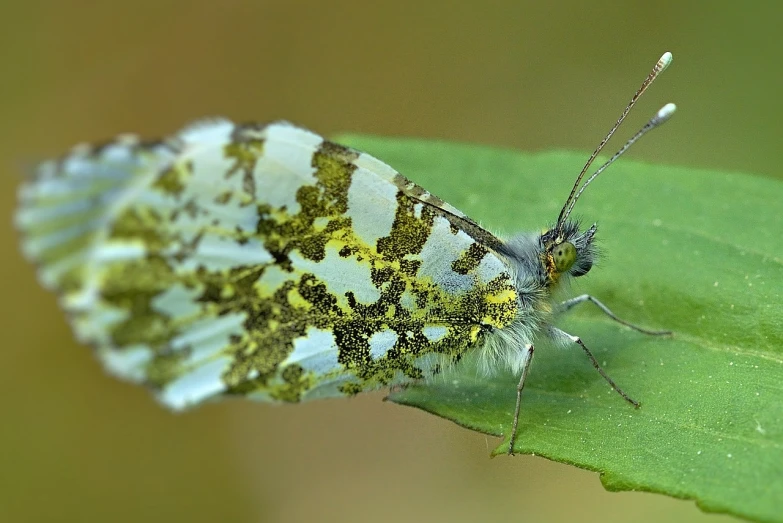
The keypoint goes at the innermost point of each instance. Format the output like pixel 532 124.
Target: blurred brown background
pixel 76 445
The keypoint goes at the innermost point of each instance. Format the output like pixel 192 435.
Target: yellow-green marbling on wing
pixel 262 261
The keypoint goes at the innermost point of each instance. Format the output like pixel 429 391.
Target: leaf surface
pixel 697 252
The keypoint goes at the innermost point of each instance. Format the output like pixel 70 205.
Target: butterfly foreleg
pixel 569 304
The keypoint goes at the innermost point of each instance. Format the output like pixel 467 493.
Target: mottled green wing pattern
pixel 259 260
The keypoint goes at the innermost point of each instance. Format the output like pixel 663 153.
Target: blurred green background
pixel 77 445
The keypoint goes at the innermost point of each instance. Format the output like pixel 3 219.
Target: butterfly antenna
pixel 661 117
pixel 660 66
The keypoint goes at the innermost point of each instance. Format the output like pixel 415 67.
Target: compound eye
pixel 564 256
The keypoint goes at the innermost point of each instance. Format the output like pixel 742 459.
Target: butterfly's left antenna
pixel 660 117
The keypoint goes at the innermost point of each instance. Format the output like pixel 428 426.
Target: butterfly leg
pixel 525 367
pixel 569 304
pixel 563 338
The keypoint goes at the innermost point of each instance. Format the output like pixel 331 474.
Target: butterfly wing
pixel 259 260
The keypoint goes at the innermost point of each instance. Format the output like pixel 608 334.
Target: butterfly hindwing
pixel 260 260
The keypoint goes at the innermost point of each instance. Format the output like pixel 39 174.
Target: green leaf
pixel 697 252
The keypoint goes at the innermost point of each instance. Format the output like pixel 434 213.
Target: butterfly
pixel 267 262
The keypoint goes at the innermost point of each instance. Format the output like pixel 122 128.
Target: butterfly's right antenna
pixel 662 115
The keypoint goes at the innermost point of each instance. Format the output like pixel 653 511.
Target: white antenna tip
pixel 665 112
pixel 664 61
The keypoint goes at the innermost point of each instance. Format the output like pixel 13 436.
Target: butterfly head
pixel 564 248
pixel 567 251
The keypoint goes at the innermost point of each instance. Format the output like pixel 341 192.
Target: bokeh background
pixel 76 445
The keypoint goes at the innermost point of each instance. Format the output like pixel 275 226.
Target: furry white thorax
pixel 506 348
